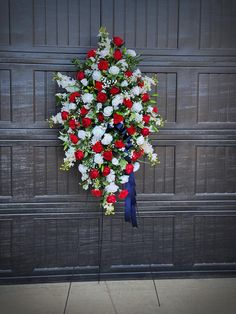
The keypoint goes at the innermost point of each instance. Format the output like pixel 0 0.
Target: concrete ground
pixel 187 296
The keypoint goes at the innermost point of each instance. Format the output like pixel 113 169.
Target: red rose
pixel 106 171
pixel 74 139
pixel 111 199
pixel 141 84
pixel 100 117
pixel 83 111
pixel 123 194
pixel 93 173
pixel 119 144
pixel 98 86
pixel 96 193
pixel 73 124
pixel 128 103
pixel 79 154
pixel 103 65
pixel 145 97
pixel 91 53
pixel 118 41
pixel 128 73
pixel 155 109
pixel 129 168
pixel 117 54
pixel 86 122
pixel 131 130
pixel 136 155
pixel 117 118
pixel 145 131
pixel 108 155
pixel 101 97
pixel 97 147
pixel 73 96
pixel 64 115
pixel 146 118
pixel 114 90
pixel 80 75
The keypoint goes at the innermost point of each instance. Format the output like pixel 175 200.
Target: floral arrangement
pixel 107 115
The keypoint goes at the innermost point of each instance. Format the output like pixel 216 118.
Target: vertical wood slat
pixel 6 171
pixel 5 33
pixel 5 95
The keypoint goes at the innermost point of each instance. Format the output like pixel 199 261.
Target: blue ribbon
pixel 130 201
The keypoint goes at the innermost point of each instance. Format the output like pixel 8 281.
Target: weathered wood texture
pixel 187 207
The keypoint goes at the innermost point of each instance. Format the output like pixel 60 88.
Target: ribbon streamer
pixel 130 201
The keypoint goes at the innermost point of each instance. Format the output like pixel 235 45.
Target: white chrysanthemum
pixel 117 100
pixel 111 188
pixel 124 179
pixel 114 70
pixel 108 111
pixel 111 177
pixel 82 169
pixel 131 52
pixel 140 140
pixel 98 132
pixel 96 76
pixel 87 98
pixel 84 82
pixel 136 166
pixel 124 84
pixel 98 159
pixel 81 134
pixel 115 161
pixel 137 106
pixel 107 139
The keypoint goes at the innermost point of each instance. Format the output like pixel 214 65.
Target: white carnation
pixel 124 179
pixel 135 91
pixel 99 106
pixel 117 100
pixel 57 118
pixel 83 178
pixel 103 53
pixel 147 147
pixel 82 169
pixel 115 161
pixel 111 177
pixel 81 134
pixel 98 132
pixel 67 106
pixel 96 76
pixel 114 70
pixel 124 84
pixel 107 139
pixel 108 111
pixel 137 106
pixel 98 159
pixel 136 166
pixel 140 140
pixel 138 117
pixel 84 82
pixel 87 98
pixel 131 52
pixel 111 188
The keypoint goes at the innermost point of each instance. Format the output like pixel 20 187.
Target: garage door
pixel 49 227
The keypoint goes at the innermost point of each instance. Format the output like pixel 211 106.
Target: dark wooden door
pixel 48 225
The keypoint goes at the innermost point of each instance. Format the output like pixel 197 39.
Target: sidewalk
pixel 187 296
